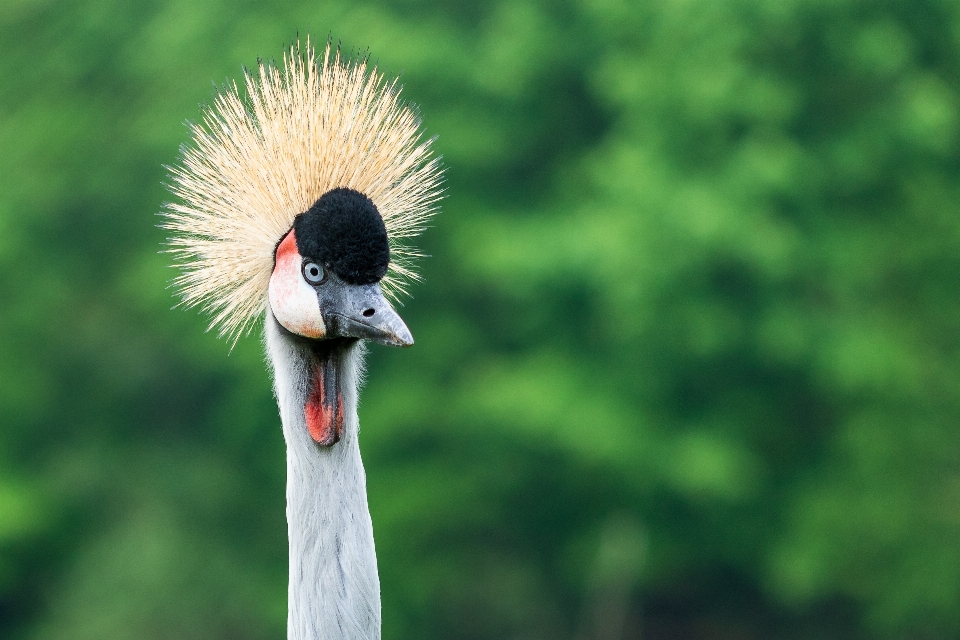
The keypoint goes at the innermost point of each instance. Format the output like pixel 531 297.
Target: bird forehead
pixel 345 232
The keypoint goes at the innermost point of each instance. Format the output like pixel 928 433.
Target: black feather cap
pixel 345 233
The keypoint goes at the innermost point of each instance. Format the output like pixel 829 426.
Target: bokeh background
pixel 688 344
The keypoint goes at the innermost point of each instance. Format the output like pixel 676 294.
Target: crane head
pixel 295 200
pixel 327 271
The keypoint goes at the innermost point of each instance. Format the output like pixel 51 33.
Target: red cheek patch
pixel 294 302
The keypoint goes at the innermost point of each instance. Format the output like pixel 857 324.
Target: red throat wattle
pixel 324 407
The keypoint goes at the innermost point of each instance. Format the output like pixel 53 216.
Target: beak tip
pixel 404 338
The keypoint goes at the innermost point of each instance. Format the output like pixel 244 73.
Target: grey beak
pixel 361 311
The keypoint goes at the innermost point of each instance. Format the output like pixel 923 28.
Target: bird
pixel 295 203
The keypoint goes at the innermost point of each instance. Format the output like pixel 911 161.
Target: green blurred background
pixel 688 345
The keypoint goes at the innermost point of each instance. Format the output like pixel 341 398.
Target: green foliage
pixel 687 356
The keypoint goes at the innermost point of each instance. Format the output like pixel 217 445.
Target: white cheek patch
pixel 294 302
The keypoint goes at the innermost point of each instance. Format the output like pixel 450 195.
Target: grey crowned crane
pixel 294 201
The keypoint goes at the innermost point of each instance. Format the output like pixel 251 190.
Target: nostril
pixel 368 312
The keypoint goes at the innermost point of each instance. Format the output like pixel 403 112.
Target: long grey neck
pixel 334 590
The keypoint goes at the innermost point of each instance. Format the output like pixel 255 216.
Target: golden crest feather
pixel 257 162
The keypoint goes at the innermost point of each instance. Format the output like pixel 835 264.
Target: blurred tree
pixel 687 351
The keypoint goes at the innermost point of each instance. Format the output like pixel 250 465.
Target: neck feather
pixel 334 589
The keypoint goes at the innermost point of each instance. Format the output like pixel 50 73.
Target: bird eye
pixel 314 273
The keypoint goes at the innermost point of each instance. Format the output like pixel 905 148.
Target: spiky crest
pixel 256 161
